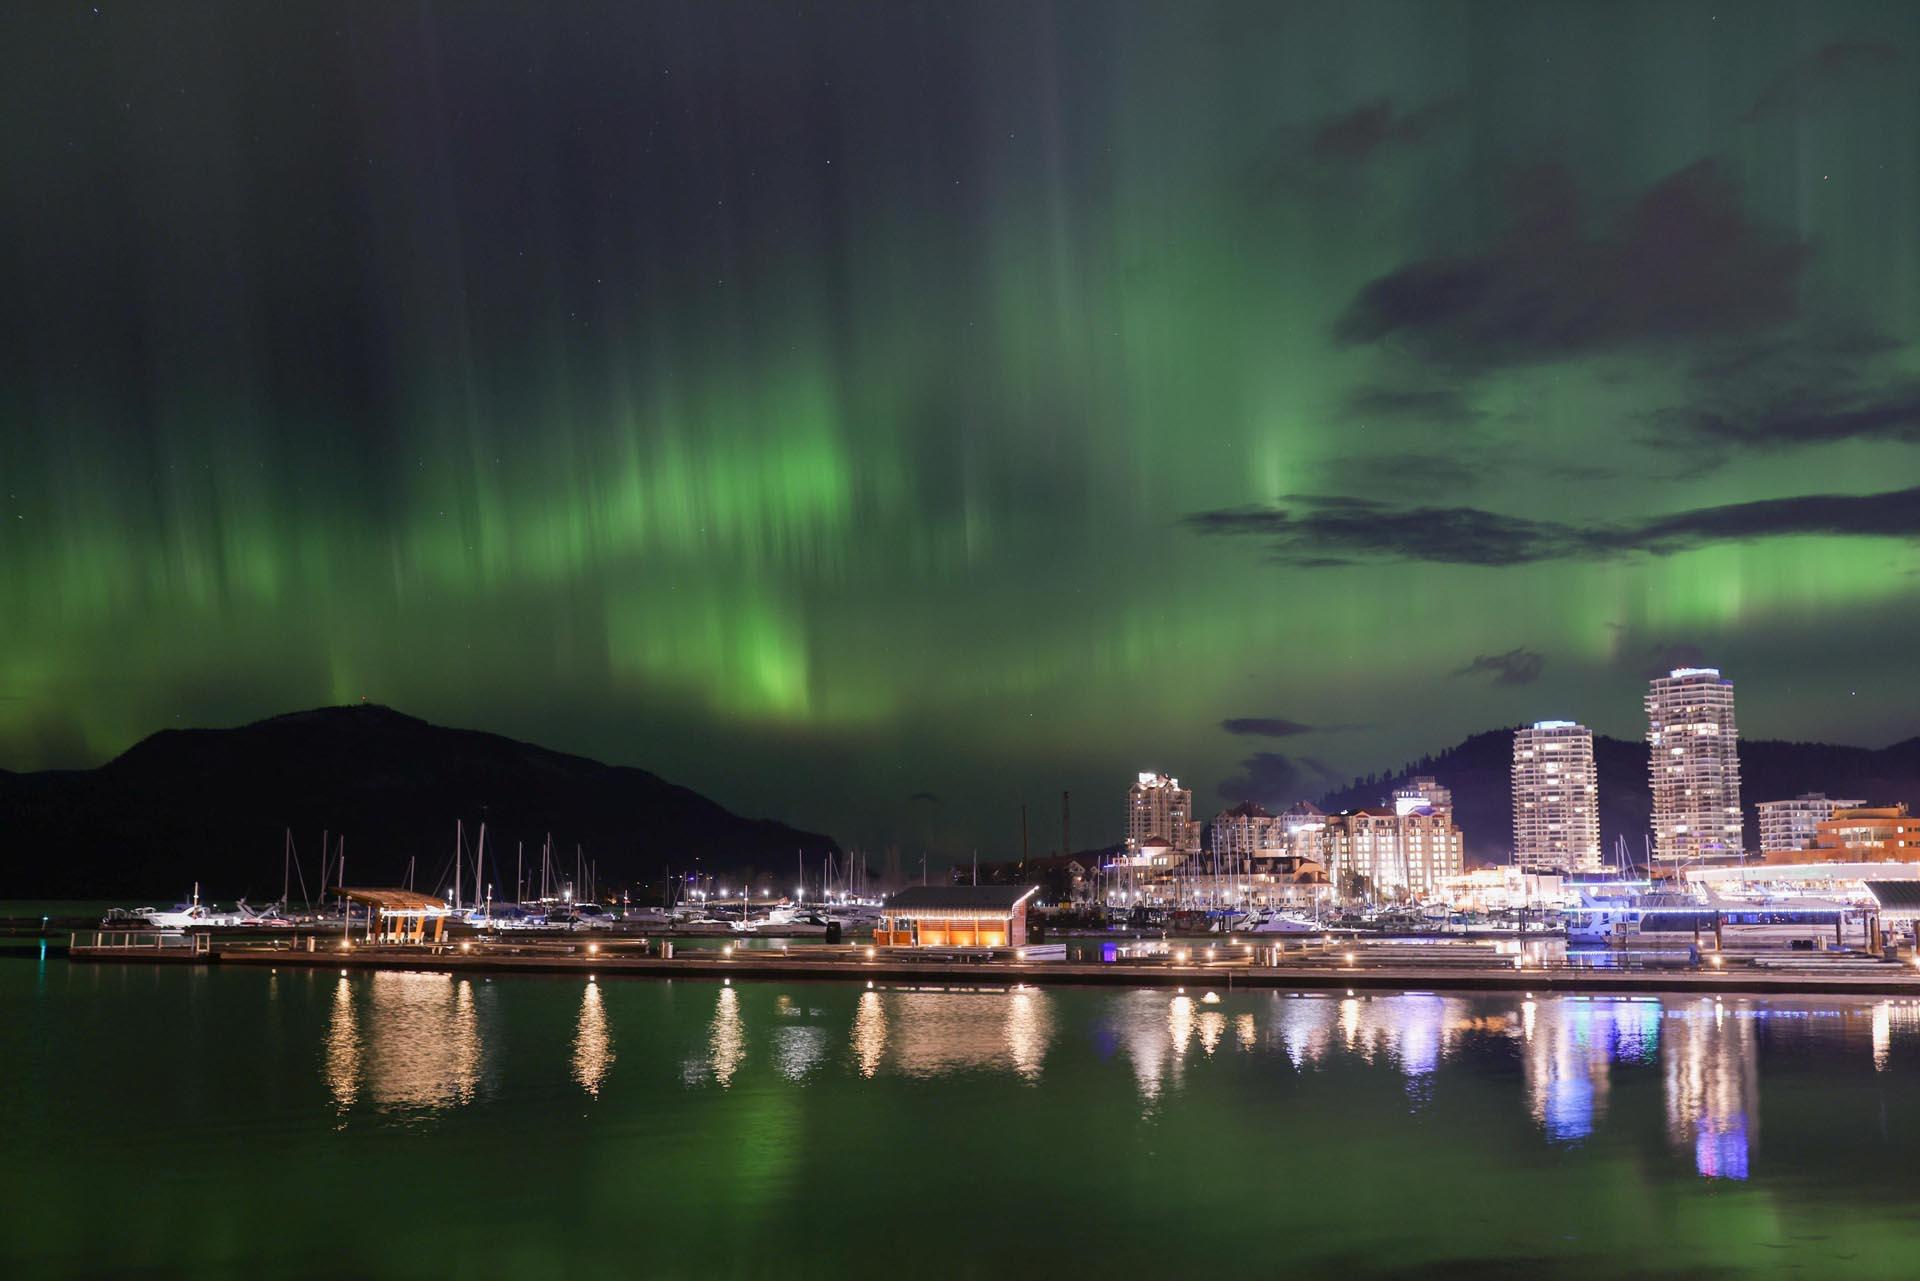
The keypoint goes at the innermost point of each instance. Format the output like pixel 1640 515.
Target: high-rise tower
pixel 1693 764
pixel 1556 794
pixel 1158 807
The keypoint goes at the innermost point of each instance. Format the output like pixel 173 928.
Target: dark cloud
pixel 1515 667
pixel 1825 76
pixel 1274 780
pixel 1342 531
pixel 1821 385
pixel 1888 515
pixel 1265 726
pixel 1800 417
pixel 1318 532
pixel 1681 262
pixel 1433 406
pixel 929 797
pixel 1330 155
pixel 1279 727
pixel 1359 135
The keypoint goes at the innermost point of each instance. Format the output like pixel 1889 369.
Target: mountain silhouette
pixel 213 805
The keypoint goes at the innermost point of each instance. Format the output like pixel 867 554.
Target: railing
pixel 199 944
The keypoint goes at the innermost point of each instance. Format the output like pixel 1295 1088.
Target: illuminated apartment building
pixel 1399 853
pixel 1693 765
pixel 1157 806
pixel 1786 826
pixel 1556 792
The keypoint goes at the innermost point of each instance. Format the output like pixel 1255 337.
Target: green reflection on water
pixel 208 1123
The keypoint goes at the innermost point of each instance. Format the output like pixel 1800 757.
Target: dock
pixel 1390 969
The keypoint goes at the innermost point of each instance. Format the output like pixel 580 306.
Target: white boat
pixel 786 919
pixel 852 916
pixel 1228 920
pixel 1277 922
pixel 702 925
pixel 1605 910
pixel 1781 923
pixel 196 915
pixel 579 916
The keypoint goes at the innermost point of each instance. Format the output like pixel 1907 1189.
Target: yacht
pixel 1274 921
pixel 195 915
pixel 580 916
pixel 786 919
pixel 1608 909
pixel 1805 923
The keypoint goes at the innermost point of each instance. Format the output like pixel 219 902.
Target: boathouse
pixel 955 916
pixel 400 916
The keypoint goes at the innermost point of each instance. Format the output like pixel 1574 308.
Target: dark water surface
pixel 183 1122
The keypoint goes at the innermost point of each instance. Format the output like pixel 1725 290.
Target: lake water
pixel 167 1122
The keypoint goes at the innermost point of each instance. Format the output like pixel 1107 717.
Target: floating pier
pixel 1463 969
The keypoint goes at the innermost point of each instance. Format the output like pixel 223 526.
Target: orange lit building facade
pixel 1864 834
pixel 956 916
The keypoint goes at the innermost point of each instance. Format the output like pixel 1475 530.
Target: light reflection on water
pixel 805 1122
pixel 869 1034
pixel 405 1041
pixel 592 1042
pixel 400 1041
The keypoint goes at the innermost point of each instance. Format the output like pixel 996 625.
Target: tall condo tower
pixel 1556 794
pixel 1158 807
pixel 1693 764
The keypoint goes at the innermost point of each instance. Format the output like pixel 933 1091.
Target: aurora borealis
pixel 880 416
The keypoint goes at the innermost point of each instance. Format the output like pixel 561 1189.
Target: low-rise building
pixel 955 916
pixel 1862 834
pixel 1792 824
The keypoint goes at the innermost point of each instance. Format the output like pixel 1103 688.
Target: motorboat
pixel 579 916
pixel 1806 923
pixel 1278 922
pixel 1227 920
pixel 195 915
pixel 851 915
pixel 1609 909
pixel 702 925
pixel 785 919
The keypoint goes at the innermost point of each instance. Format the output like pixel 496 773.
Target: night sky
pixel 881 415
